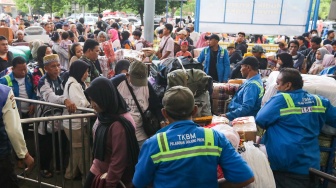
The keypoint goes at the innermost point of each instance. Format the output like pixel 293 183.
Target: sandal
pixel 46 174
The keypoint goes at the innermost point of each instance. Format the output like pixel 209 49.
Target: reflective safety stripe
pixel 9 81
pixel 208 137
pixel 187 153
pixel 205 51
pixel 222 52
pixel 319 108
pixel 162 141
pixel 165 154
pixel 260 87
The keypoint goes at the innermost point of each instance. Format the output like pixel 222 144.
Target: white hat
pixel 190 25
pixel 183 32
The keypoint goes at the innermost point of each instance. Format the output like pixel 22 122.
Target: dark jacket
pixel 6 63
pixel 242 47
pixel 310 55
pixel 235 57
pixel 236 70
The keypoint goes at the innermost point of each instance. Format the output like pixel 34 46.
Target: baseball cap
pixel 182 32
pixel 231 45
pixel 190 25
pixel 66 24
pixel 184 43
pixel 252 61
pixel 213 36
pixel 179 101
pixel 258 48
pixel 138 72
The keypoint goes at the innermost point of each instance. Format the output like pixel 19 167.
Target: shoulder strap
pixel 69 88
pixel 135 100
pixel 161 50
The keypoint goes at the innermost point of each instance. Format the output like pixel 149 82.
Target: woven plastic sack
pixel 256 159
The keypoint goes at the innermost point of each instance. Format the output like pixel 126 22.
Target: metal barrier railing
pixel 36 120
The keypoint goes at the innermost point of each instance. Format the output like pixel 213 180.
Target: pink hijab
pixel 202 42
pixel 114 33
pixel 328 47
pixel 328 60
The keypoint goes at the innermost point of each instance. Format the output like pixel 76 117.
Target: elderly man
pixel 293 120
pixel 234 55
pixel 165 159
pixel 193 34
pixel 247 100
pixel 19 37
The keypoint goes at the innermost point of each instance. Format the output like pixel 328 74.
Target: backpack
pixel 171 64
pixel 196 80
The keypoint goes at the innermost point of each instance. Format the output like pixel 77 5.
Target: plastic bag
pixel 256 159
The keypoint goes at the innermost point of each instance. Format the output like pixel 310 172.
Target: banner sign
pixel 272 17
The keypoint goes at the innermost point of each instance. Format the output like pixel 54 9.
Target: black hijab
pixel 121 65
pixel 287 60
pixel 40 55
pixel 103 92
pixel 77 70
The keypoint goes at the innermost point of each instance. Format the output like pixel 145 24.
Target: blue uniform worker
pixel 247 100
pixel 183 154
pixel 216 60
pixel 293 119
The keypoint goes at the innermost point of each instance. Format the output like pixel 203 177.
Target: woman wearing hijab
pixel 328 64
pixel 115 146
pixel 114 39
pixel 285 60
pixel 202 42
pixel 329 48
pixel 317 66
pixel 74 90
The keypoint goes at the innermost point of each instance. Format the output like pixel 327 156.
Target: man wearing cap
pixel 247 100
pixel 183 154
pixel 193 34
pixel 217 63
pixel 330 37
pixel 65 26
pixel 258 52
pixel 50 87
pixel 240 43
pixel 234 55
pixel 145 95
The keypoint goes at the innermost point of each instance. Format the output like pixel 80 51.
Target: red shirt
pixel 185 54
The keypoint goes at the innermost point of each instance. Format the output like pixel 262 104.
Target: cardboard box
pixel 246 128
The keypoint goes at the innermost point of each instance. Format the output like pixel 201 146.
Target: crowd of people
pixel 124 151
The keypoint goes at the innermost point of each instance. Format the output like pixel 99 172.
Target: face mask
pixel 314 35
pixel 277 65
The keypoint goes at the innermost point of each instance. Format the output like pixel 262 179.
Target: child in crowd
pixel 184 50
pixel 65 42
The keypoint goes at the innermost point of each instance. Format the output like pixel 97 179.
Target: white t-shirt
pixel 23 94
pixel 142 95
pixel 194 36
pixel 169 47
pixel 138 45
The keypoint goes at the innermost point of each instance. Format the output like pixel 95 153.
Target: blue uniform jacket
pixel 192 171
pixel 223 62
pixel 247 100
pixel 292 140
pixel 28 83
pixel 328 70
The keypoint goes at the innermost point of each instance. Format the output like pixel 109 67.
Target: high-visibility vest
pixel 261 94
pixel 166 155
pixel 292 109
pixel 9 81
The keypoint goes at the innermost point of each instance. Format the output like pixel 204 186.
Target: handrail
pixel 52 118
pixel 51 104
pixel 321 174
